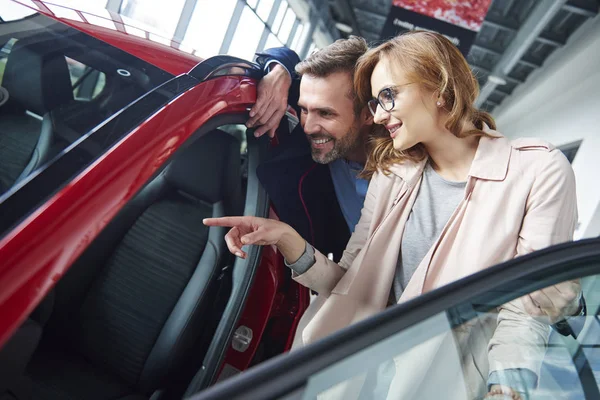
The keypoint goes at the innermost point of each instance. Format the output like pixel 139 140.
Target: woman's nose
pixel 381 116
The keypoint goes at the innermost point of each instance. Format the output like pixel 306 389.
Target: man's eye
pixel 324 113
pixel 303 110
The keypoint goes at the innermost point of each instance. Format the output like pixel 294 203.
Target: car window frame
pixel 288 375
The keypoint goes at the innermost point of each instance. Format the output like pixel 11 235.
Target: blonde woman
pixel 448 196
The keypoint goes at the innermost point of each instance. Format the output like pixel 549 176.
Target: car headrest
pixel 36 79
pixel 209 170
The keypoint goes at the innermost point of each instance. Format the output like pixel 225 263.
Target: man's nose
pixel 310 125
pixel 381 116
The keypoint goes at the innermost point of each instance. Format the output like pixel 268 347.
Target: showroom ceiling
pixel 515 39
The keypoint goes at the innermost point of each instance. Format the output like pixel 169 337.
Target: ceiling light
pixel 343 27
pixel 497 80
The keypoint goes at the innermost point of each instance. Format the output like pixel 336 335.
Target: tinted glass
pixel 65 99
pixel 58 84
pixel 459 353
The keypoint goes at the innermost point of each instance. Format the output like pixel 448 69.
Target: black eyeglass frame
pixel 391 92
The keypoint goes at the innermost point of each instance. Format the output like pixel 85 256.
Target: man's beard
pixel 341 147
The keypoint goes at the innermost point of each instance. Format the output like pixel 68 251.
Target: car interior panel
pixel 124 319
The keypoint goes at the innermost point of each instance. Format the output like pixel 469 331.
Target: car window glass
pixel 4 51
pixel 57 85
pixel 87 82
pixel 449 355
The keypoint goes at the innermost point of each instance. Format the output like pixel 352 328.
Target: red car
pixel 113 148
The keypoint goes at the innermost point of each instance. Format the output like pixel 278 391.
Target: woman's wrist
pixel 291 245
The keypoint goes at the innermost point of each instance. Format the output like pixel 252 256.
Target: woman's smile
pixel 393 129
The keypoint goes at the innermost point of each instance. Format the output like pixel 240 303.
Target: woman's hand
pixel 499 392
pixel 262 232
pixel 554 303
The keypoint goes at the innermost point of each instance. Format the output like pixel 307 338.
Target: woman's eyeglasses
pixel 385 99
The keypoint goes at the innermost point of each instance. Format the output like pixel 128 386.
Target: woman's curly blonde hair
pixel 433 62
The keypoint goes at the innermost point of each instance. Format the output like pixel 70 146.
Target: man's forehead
pixel 330 89
pixel 335 78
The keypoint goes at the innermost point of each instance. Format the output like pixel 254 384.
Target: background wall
pixel 561 103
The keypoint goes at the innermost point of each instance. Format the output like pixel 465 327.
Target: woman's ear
pixel 440 102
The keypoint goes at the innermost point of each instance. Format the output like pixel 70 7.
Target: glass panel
pixel 4 51
pixel 287 25
pixel 466 349
pixel 104 22
pixel 97 3
pixel 90 82
pixel 252 3
pixel 264 9
pixel 297 37
pixel 160 15
pixel 64 12
pixel 247 35
pixel 87 82
pixel 272 41
pixel 135 31
pixel 208 25
pixel 303 38
pixel 10 11
pixel 159 39
pixel 279 17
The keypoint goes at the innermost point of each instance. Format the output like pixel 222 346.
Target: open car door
pixel 389 355
pixel 108 275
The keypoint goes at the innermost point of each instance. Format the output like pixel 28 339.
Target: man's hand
pixel 554 303
pixel 271 102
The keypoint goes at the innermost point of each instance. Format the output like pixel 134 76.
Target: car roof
pixel 133 37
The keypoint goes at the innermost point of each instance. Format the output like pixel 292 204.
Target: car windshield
pixel 56 85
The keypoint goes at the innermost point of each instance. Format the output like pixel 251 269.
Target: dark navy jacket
pixel 301 191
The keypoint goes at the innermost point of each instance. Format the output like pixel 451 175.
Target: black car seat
pixel 37 80
pixel 132 308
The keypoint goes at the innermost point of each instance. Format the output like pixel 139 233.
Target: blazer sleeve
pixel 324 275
pixel 551 210
pixel 286 57
pixel 519 341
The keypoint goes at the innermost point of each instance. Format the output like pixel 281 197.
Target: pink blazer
pixel 520 197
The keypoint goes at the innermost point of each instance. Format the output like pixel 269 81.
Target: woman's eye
pixel 388 95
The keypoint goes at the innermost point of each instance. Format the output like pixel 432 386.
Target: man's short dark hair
pixel 340 56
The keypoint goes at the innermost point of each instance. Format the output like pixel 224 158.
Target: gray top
pixel 436 201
